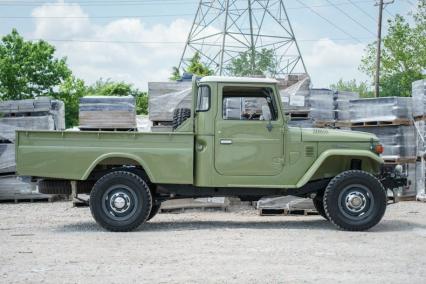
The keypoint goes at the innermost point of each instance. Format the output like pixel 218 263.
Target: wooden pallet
pixel 298 114
pixel 182 205
pixel 286 212
pixel 109 129
pixel 399 160
pixel 324 124
pixel 407 198
pixel 199 208
pixel 29 197
pixel 420 118
pixel 380 123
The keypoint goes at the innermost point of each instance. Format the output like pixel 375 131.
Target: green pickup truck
pixel 234 141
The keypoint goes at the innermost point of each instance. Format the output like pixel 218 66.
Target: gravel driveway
pixel 54 243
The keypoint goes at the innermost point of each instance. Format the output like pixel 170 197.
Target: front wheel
pixel 355 200
pixel 120 201
pixel 319 205
pixel 154 210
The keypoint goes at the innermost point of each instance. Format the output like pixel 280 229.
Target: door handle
pixel 225 141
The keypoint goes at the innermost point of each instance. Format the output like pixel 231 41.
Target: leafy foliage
pixel 404 54
pixel 264 64
pixel 196 67
pixel 29 69
pixel 175 74
pixel 353 86
pixel 70 93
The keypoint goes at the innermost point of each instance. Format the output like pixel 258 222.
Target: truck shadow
pixel 190 225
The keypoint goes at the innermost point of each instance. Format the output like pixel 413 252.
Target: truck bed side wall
pixel 166 157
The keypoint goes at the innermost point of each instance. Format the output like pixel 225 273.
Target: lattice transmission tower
pixel 224 30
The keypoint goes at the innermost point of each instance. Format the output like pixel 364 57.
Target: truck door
pixel 248 132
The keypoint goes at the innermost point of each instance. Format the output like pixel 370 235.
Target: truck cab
pixel 234 141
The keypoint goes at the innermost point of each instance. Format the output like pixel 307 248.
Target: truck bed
pixel 166 157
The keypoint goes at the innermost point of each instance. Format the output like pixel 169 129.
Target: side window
pixel 248 106
pixel 203 98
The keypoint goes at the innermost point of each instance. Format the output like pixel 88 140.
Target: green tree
pixel 403 56
pixel 29 69
pixel 264 64
pixel 70 93
pixel 110 88
pixel 353 86
pixel 175 74
pixel 195 67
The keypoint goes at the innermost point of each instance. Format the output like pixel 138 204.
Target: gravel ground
pixel 54 243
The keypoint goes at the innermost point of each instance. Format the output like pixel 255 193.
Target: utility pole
pixel 381 5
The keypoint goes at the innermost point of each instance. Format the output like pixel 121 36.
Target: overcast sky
pixel 83 30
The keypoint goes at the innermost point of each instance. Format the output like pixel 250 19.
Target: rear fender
pixel 101 158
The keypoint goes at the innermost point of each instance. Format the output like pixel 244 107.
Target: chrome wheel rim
pixel 356 202
pixel 119 202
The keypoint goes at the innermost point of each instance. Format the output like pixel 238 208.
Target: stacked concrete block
pixel 419 114
pixel 36 114
pixel 342 104
pixel 7 158
pixel 290 80
pixel 282 204
pixel 165 97
pixel 399 141
pixel 107 112
pixel 390 109
pixel 322 102
pixel 419 98
pixel 296 97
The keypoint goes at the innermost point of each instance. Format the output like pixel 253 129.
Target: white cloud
pixel 98 52
pixel 328 61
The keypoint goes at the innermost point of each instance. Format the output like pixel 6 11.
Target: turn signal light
pixel 378 149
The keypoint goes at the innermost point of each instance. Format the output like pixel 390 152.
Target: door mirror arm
pixel 269 126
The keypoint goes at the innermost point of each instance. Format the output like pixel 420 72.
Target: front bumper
pixel 392 180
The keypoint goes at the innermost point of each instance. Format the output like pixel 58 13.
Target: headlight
pixel 398 169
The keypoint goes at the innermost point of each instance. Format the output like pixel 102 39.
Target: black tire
pixel 63 187
pixel 180 115
pixel 355 201
pixel 319 205
pixel 154 210
pixel 120 201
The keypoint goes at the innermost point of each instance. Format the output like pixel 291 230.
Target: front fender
pixel 339 154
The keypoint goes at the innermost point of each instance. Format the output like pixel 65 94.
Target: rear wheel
pixel 120 201
pixel 355 201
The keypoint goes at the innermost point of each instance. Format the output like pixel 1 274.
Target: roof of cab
pixel 225 79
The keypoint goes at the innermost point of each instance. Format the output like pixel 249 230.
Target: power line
pixel 330 22
pixel 350 17
pixel 95 17
pixel 166 42
pixel 362 10
pixel 138 3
